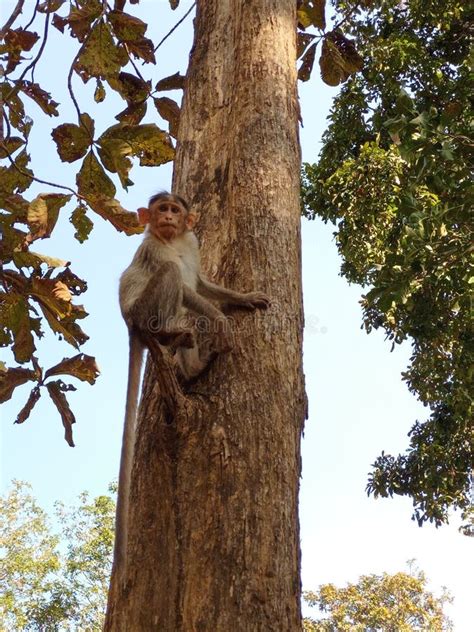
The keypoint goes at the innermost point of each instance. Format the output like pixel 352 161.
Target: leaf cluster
pixel 339 58
pixel 392 603
pixel 35 289
pixel 43 586
pixel 394 176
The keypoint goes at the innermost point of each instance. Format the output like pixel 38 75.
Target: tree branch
pixel 174 28
pixel 15 13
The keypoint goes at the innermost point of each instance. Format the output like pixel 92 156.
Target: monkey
pixel 160 286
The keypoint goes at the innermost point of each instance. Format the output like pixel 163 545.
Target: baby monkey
pixel 161 285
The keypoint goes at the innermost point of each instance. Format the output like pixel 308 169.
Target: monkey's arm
pixel 215 292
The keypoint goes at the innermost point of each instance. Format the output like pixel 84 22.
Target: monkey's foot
pixel 175 338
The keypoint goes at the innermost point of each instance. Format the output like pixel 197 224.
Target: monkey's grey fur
pixel 161 284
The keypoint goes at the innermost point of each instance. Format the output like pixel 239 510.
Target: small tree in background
pixel 52 582
pixel 379 603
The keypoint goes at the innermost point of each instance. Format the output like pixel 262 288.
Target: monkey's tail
pixel 126 458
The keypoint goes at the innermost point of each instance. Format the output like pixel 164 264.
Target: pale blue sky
pixel 357 403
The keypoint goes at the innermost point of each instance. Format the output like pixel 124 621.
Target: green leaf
pixel 92 181
pixel 43 214
pixel 132 88
pixel 60 314
pixel 11 378
pixel 99 94
pixel 67 416
pixel 30 259
pixel 143 49
pixel 12 240
pixel 82 366
pixel 15 42
pixel 339 59
pixel 114 154
pixel 15 317
pixel 81 223
pixel 16 205
pixel 446 151
pixel 112 211
pixel 100 56
pixel 10 145
pixel 404 103
pixel 133 114
pixel 50 6
pixel 173 82
pixel 80 18
pixel 312 13
pixel 40 97
pixel 76 285
pixel 150 144
pixel 127 28
pixel 332 72
pixel 72 141
pixel 16 178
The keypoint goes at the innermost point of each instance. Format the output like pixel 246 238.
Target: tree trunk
pixel 214 535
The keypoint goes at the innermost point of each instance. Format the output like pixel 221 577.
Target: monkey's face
pixel 167 219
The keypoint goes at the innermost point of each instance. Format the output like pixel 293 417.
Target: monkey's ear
pixel 191 220
pixel 143 215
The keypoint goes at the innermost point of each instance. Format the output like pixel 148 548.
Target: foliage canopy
pixel 44 584
pixel 59 581
pixel 394 177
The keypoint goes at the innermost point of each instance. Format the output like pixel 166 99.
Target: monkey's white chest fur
pixel 150 256
pixel 185 253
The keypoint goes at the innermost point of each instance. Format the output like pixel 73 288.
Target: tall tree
pixel 213 534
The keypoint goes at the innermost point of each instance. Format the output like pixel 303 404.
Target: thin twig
pixel 40 52
pixel 7 122
pixel 71 92
pixel 174 28
pixel 28 175
pixel 348 15
pixel 15 13
pixel 33 16
pixel 133 63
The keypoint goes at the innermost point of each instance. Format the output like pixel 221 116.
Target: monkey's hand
pixel 256 300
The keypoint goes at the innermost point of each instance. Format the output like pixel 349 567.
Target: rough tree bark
pixel 214 535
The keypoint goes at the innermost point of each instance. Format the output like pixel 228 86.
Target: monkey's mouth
pixel 172 227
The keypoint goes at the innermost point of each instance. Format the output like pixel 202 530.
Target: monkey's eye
pixel 164 208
